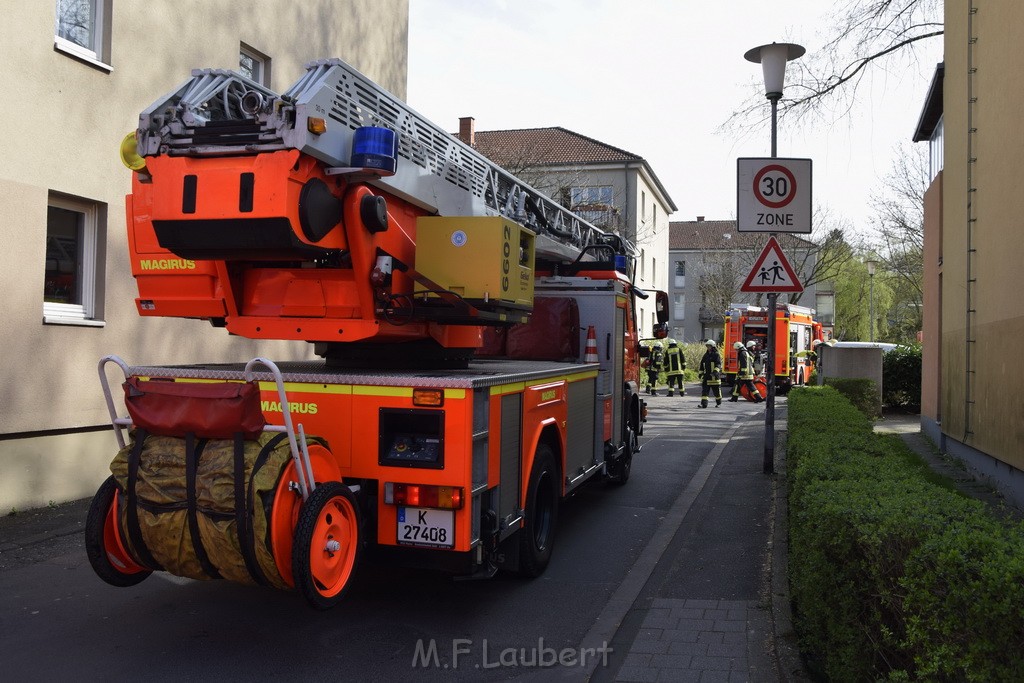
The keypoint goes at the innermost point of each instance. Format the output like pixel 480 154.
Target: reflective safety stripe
pixel 519 387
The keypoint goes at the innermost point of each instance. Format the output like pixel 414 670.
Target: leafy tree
pixel 854 298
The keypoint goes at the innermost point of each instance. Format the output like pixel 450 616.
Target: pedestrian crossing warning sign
pixel 772 272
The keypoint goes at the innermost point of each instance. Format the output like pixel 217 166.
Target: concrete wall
pixel 66 119
pixel 850 363
pixel 978 404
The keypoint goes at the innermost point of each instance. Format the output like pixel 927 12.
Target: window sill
pixel 79 322
pixel 79 53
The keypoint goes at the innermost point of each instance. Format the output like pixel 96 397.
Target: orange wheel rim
pixel 285 509
pixel 332 552
pixel 114 549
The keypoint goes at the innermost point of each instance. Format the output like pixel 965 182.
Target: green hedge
pixel 862 393
pixel 901 377
pixel 892 576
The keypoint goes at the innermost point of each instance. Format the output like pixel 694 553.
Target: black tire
pixel 95 547
pixel 624 463
pixel 536 538
pixel 323 575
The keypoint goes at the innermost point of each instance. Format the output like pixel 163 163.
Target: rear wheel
pixel 623 465
pixel 107 554
pixel 537 536
pixel 325 548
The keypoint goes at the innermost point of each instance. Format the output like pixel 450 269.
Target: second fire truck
pixel 796 330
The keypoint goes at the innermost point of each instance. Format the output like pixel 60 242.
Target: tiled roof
pixel 547 146
pixel 701 235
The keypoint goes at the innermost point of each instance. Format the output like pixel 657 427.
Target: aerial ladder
pixel 238 192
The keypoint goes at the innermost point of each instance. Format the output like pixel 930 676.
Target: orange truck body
pixel 480 439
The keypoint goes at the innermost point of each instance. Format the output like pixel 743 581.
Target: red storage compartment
pixel 553 332
pixel 493 342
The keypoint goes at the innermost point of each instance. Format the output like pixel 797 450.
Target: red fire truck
pixel 796 330
pixel 479 346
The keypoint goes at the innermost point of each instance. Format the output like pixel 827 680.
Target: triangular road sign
pixel 772 272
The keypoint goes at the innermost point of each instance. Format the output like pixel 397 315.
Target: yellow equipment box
pixel 487 260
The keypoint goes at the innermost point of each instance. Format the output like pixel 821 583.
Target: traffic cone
pixel 590 355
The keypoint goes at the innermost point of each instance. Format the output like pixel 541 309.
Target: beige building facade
pixel 974 318
pixel 77 75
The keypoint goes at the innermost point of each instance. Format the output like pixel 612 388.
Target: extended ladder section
pixel 221 113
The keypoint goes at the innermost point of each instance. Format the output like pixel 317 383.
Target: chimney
pixel 467 130
pixel 700 219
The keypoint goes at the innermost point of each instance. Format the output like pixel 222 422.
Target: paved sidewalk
pixel 691 640
pixel 705 613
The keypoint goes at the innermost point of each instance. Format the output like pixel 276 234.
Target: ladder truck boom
pixel 219 112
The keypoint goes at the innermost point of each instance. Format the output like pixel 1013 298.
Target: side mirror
pixel 661 309
pixel 660 331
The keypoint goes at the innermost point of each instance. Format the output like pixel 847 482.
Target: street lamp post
pixel 871 263
pixel 772 59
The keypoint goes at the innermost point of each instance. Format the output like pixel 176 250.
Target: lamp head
pixel 772 59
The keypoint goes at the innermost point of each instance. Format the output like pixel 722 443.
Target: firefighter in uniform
pixel 653 363
pixel 744 373
pixel 675 363
pixel 710 380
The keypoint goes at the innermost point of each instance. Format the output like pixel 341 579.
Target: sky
pixel 658 78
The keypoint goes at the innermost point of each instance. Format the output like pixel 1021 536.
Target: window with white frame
pixel 73 257
pixel 678 306
pixel 935 145
pixel 254 65
pixel 680 279
pixel 600 195
pixel 82 28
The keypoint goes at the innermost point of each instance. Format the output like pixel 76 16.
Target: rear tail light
pixel 423 495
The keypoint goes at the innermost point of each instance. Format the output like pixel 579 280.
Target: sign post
pixel 772 195
pixel 774 182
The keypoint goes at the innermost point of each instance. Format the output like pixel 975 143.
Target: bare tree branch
pixel 866 35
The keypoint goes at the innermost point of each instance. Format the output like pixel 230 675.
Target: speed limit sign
pixel 773 195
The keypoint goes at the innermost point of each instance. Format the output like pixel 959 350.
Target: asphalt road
pixel 59 621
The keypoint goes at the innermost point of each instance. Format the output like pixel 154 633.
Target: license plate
pixel 423 526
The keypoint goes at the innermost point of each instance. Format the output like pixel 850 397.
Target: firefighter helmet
pixel 738 345
pixel 709 342
pixel 751 344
